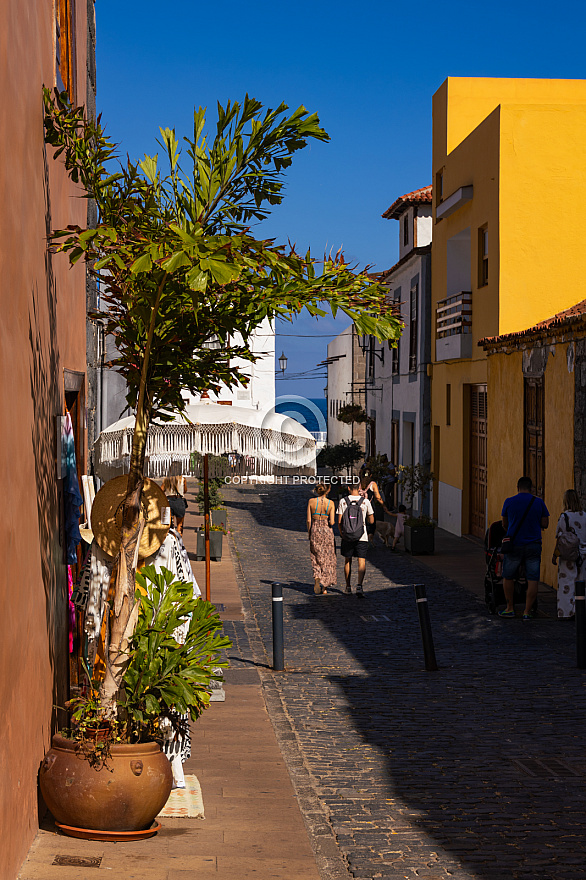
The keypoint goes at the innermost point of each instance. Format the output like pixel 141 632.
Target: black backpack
pixel 352 522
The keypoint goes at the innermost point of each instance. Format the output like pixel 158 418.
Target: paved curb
pixel 330 862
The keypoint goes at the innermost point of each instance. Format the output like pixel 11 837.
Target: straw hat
pixel 107 516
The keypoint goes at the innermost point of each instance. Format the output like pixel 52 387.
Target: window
pixel 448 404
pixel 394 358
pixel 395 442
pixel 534 431
pixel 439 186
pixel 65 46
pixel 413 329
pixel 370 358
pixel 395 350
pixel 405 230
pixel 483 256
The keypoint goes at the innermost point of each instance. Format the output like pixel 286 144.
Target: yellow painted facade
pixel 506 436
pixel 521 145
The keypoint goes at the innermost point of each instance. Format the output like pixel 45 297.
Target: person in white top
pixel 573 520
pixel 351 544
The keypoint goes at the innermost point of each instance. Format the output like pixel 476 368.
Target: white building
pixel 260 391
pixel 345 364
pixel 398 385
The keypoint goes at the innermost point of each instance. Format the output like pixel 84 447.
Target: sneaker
pixel 348 588
pixel 359 590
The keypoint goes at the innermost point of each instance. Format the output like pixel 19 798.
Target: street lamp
pixel 283 362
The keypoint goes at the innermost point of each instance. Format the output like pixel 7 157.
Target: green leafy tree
pixel 216 500
pixel 340 456
pixel 415 478
pixel 183 268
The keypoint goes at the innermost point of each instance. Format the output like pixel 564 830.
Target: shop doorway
pixel 478 458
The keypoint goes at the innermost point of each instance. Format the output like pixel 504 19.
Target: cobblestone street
pixel 474 771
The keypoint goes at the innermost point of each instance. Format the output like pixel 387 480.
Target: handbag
pixel 568 543
pixel 508 544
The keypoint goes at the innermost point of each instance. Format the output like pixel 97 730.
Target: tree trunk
pixel 124 614
pixel 122 618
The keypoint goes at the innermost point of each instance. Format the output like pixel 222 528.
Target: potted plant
pixel 419 530
pixel 108 778
pixel 352 412
pixel 183 268
pixel 216 542
pixel 219 513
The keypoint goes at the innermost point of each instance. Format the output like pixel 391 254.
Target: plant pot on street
pixel 125 794
pixel 215 545
pixel 219 518
pixel 420 539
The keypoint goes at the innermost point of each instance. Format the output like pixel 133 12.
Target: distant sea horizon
pixel 302 409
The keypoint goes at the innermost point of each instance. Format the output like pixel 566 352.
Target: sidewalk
pixel 462 560
pixel 253 827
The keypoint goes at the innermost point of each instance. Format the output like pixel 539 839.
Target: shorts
pixel 527 554
pixel 353 548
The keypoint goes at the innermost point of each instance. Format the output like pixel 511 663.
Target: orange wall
pixel 42 332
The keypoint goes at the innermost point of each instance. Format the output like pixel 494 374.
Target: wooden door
pixel 534 466
pixel 478 475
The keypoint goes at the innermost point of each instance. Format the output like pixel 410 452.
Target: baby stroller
pixel 493 579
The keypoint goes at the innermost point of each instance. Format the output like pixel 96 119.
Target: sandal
pixel 506 613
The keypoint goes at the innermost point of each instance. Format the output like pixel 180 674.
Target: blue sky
pixel 369 70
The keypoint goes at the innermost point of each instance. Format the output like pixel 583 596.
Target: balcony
pixel 454 327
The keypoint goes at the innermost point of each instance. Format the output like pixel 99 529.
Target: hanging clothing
pixel 95 582
pixel 173 555
pixel 569 572
pixel 71 494
pixel 72 620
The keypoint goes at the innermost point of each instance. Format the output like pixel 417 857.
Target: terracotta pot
pixel 124 795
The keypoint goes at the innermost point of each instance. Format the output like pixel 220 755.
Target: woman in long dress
pixel 322 547
pixel 569 571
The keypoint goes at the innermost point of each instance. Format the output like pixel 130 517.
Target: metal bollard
pixel 425 624
pixel 581 624
pixel 278 645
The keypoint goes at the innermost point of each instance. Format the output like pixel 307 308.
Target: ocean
pixel 312 412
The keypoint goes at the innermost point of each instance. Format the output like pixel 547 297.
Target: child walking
pixel 401 516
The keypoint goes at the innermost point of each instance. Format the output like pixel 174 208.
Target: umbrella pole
pixel 206 514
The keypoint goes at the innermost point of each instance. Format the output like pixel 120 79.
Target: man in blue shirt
pixel 524 517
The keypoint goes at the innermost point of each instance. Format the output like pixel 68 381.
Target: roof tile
pixel 417 197
pixel 574 315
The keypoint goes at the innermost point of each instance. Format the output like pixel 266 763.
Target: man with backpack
pixel 354 512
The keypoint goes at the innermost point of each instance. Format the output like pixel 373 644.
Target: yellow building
pixel 509 164
pixel 537 406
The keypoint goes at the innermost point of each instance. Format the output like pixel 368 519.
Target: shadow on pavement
pixel 447 773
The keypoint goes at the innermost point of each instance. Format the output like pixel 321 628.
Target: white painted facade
pixel 398 390
pixel 345 385
pixel 260 391
pixel 339 390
